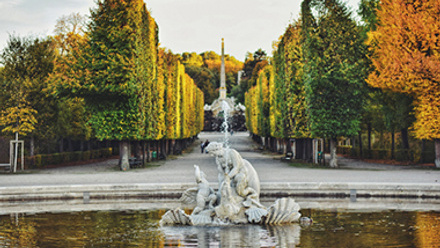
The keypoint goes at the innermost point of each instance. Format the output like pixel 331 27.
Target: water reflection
pixel 331 228
pixel 233 236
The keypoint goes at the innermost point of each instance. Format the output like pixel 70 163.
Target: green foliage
pixel 26 105
pixel 253 64
pixel 238 92
pixel 205 70
pixel 368 13
pixel 71 119
pixel 120 61
pixel 334 69
pixel 205 79
pixel 183 100
pixel 397 109
pixel 132 89
pixel 290 106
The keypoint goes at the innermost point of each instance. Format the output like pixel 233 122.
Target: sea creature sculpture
pixel 236 200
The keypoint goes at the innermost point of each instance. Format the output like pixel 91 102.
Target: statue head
pixel 215 149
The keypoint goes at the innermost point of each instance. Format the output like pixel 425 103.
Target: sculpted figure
pixel 216 149
pixel 203 195
pixel 244 178
pixel 229 207
pixel 236 200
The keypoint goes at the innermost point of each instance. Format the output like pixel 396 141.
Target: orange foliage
pixel 230 66
pixel 406 54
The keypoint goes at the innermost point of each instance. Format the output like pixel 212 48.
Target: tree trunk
pixel 172 147
pixel 369 136
pixel 32 146
pixel 392 145
pixel 123 155
pixel 360 144
pixel 156 143
pixel 405 141
pixel 70 145
pixel 164 148
pixel 61 146
pixel 288 145
pixel 437 153
pixel 144 158
pixel 136 149
pixel 148 151
pixel 333 157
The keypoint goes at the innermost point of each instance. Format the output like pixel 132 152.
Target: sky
pixel 184 25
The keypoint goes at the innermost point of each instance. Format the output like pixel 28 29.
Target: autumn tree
pixel 395 108
pixel 116 68
pixel 28 107
pixel 406 57
pixel 334 56
pixel 71 116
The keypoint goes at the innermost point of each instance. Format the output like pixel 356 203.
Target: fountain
pixel 237 199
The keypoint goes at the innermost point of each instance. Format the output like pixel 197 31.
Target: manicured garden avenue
pixel 180 170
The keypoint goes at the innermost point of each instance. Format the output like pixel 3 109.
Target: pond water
pixel 139 228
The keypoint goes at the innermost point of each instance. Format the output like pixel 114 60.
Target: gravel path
pixel 180 169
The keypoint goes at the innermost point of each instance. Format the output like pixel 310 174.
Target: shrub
pixel 106 152
pixel 345 150
pixel 86 155
pixel 94 154
pixel 37 161
pixel 42 160
pixel 76 156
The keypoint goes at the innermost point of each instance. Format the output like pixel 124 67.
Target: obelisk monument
pixel 223 74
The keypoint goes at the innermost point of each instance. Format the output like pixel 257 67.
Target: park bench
pixel 135 162
pixel 6 166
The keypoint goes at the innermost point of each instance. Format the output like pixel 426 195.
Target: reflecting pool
pixel 139 228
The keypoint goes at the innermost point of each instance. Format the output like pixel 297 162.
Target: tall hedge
pixel 134 90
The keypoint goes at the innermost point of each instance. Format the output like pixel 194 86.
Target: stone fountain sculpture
pixel 236 200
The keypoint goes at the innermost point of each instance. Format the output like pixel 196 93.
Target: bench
pixel 134 162
pixel 6 166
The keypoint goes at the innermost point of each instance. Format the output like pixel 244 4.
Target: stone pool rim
pixel 174 191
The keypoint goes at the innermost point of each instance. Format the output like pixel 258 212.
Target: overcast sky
pixel 184 25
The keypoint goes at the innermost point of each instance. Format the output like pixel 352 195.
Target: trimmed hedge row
pixel 399 155
pixel 43 160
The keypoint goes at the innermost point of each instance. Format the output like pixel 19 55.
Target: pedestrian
pixel 205 145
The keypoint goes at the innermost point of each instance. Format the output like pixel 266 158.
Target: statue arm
pixel 237 164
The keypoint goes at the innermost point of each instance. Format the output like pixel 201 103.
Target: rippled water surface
pixel 331 228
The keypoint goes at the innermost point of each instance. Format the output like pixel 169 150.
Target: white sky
pixel 184 25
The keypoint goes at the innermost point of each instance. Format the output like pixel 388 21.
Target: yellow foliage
pixel 19 119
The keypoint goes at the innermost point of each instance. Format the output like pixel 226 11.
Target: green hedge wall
pixel 399 155
pixel 44 160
